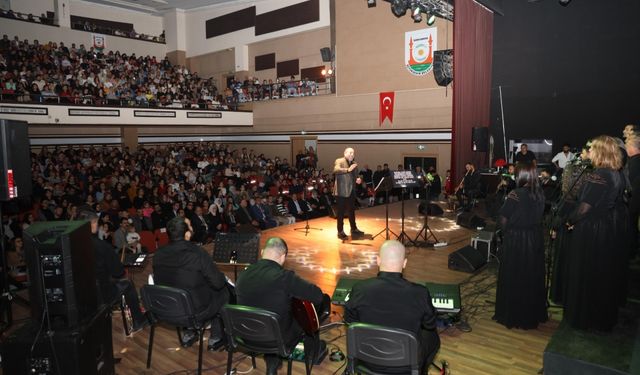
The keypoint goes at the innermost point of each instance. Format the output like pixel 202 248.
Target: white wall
pixel 35 7
pixel 31 31
pixel 197 44
pixel 175 27
pixel 143 23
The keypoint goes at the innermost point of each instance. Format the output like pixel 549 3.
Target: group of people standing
pixel 591 235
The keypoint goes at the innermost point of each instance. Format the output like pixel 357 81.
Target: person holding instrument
pixel 346 169
pixel 469 187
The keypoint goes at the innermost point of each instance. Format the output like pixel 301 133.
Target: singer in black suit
pixel 345 170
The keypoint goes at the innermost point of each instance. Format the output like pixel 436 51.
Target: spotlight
pixel 564 3
pixel 371 3
pixel 431 19
pixel 399 7
pixel 330 71
pixel 324 72
pixel 416 13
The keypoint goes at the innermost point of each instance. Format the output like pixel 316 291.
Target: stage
pixel 320 257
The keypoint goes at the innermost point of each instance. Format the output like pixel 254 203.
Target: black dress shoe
pixel 357 232
pixel 188 339
pixel 342 235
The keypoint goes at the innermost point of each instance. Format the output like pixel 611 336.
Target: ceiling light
pixel 371 3
pixel 431 19
pixel 416 13
pixel 399 7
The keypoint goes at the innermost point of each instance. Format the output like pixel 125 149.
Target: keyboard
pixel 445 297
pixel 443 303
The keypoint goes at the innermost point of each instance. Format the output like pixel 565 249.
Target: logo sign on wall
pixel 418 50
pixel 99 41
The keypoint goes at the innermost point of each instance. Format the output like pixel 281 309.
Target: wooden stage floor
pixel 321 258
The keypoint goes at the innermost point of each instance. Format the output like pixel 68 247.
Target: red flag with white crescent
pixel 386 106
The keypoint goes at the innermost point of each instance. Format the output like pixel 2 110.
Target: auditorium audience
pixel 80 75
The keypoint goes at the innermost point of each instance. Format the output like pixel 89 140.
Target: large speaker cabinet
pixel 61 264
pixel 15 160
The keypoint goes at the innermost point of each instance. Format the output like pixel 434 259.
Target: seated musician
pixel 267 285
pixel 390 300
pixel 183 264
pixel 469 187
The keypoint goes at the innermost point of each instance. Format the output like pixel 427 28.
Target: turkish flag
pixel 386 106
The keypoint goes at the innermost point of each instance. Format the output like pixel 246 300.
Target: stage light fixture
pixel 324 72
pixel 431 19
pixel 399 7
pixel 564 3
pixel 330 71
pixel 371 3
pixel 416 12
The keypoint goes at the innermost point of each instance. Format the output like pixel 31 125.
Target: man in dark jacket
pixel 345 170
pixel 185 265
pixel 267 285
pixel 390 300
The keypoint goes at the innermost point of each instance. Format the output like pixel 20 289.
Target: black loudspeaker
pixel 15 160
pixel 430 209
pixel 467 259
pixel 86 349
pixel 480 139
pixel 469 220
pixel 61 264
pixel 326 54
pixel 443 66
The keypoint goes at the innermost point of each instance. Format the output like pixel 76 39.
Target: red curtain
pixel 472 57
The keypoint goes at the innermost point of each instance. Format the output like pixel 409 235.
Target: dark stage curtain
pixel 472 50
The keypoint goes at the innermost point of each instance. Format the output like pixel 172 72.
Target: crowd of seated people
pixel 44 19
pixel 217 189
pixel 252 89
pixel 56 73
pixel 132 34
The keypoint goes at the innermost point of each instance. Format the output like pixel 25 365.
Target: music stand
pixel 236 249
pixel 404 179
pixel 385 185
pixel 425 232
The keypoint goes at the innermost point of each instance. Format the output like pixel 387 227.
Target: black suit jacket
pixel 108 266
pixel 390 300
pixel 183 264
pixel 268 286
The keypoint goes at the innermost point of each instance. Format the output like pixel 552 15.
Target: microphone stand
pixel 306 228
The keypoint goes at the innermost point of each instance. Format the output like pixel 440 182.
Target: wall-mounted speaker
pixel 443 66
pixel 15 160
pixel 480 139
pixel 326 54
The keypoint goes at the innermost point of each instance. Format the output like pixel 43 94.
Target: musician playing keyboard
pixel 390 300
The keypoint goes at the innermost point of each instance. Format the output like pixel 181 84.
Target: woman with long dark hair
pixel 599 243
pixel 520 297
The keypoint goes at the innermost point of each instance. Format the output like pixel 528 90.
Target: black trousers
pixel 346 205
pixel 291 336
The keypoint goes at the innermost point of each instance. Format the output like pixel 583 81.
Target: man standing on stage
pixel 344 190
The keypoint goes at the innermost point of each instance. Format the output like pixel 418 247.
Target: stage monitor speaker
pixel 480 139
pixel 466 259
pixel 84 350
pixel 443 66
pixel 15 160
pixel 470 220
pixel 430 209
pixel 326 54
pixel 61 264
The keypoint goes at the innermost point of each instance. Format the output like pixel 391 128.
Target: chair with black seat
pixel 172 306
pixel 381 347
pixel 257 331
